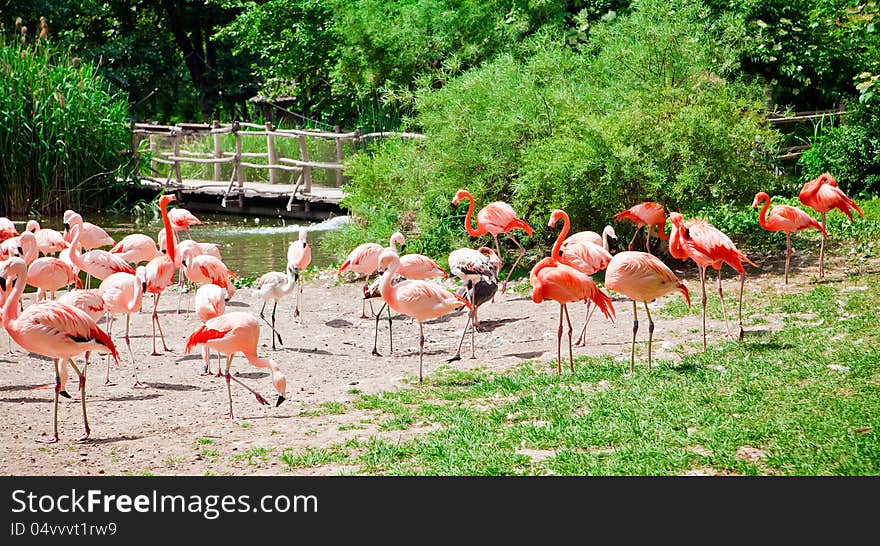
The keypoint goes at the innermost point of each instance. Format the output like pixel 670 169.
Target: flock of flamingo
pixel 64 328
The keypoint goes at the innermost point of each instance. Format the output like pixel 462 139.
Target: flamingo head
pixel 398 238
pixel 141 274
pixel 676 219
pixel 10 271
pixel 166 198
pixel 459 195
pixel 71 218
pixel 489 253
pixel 303 234
pixel 826 178
pixel 555 216
pixel 32 225
pixel 760 197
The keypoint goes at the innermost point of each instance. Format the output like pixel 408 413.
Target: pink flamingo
pixel 96 263
pixel 473 267
pixel 90 303
pixel 553 279
pixel 52 329
pixel 299 255
pixel 7 228
pixel 160 271
pixel 210 303
pixel 181 219
pixel 237 332
pixel 364 259
pixel 420 300
pixel 642 277
pixel 205 269
pixel 587 252
pixel 48 274
pixel 707 246
pixel 123 293
pixel 136 248
pixel 495 218
pixel 784 218
pixel 49 241
pixel 823 195
pixel 91 236
pixel 645 215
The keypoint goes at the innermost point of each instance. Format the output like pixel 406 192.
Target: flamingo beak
pixel 20 251
pixel 65 394
pixel 183 262
pixel 402 248
pixel 66 227
pixel 3 283
pixel 144 286
pixel 280 399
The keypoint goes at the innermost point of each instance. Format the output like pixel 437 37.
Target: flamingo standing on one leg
pixel 553 279
pixel 420 300
pixel 160 270
pixel 784 218
pixel 823 195
pixel 299 255
pixel 364 259
pixel 495 218
pixel 642 277
pixel 210 303
pixel 123 293
pixel 707 246
pixel 645 215
pixel 237 332
pixel 52 329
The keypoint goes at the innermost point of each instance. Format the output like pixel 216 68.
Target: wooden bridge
pixel 315 193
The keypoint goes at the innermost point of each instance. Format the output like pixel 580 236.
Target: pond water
pixel 250 245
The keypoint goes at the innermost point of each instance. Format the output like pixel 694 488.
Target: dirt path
pixel 177 425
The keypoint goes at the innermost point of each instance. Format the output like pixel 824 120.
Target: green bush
pixel 64 134
pixel 648 110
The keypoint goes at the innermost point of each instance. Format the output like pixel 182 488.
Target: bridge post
pixel 175 134
pixel 304 156
pixel 273 154
pixel 338 129
pixel 218 150
pixel 238 168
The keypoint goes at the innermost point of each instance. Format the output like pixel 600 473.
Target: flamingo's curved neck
pixel 676 243
pixel 10 306
pixel 480 230
pixel 661 230
pixel 75 256
pixel 762 220
pixel 169 233
pixel 605 239
pixel 566 225
pixel 385 287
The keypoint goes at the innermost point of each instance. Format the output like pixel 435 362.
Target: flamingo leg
pixel 109 333
pixel 570 352
pixel 154 323
pixel 723 308
pixel 421 349
pixel 632 355
pixel 648 238
pixel 582 340
pixel 522 252
pixel 376 331
pixel 275 332
pixel 82 394
pixel 498 251
pixel 296 307
pixel 137 384
pixel 703 287
pixel 559 343
pixel 390 339
pixel 822 251
pixel 58 391
pixel 467 324
pixel 206 354
pixel 787 255
pixel 228 385
pixel 742 283
pixel 650 333
pixel 633 240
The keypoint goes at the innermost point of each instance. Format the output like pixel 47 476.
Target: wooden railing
pixel 303 165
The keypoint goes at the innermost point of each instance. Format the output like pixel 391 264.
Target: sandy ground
pixel 178 425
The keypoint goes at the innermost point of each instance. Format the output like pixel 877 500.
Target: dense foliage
pixel 64 133
pixel 648 111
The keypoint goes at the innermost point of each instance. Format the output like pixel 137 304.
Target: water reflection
pixel 250 245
